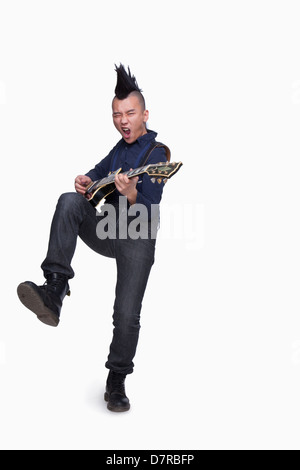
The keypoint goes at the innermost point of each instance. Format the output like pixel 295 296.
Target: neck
pixel 145 131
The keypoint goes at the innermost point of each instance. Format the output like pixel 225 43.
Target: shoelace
pixel 54 283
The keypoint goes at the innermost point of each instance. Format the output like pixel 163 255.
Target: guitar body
pixel 101 194
pixel 99 190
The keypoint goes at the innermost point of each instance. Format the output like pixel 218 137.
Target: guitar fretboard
pixel 111 178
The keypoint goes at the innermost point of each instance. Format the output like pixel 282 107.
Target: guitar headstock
pixel 163 171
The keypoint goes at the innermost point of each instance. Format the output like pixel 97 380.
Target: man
pixel 75 216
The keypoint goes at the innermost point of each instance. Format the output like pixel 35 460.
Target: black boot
pixel 45 301
pixel 115 392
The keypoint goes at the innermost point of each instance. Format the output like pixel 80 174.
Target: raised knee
pixel 69 200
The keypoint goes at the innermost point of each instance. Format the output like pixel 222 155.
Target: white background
pixel 218 362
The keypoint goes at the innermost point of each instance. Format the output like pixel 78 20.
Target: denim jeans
pixel 75 216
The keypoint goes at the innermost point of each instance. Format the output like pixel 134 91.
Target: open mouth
pixel 126 132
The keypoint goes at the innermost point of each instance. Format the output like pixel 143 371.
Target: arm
pixel 151 193
pixel 100 171
pixel 127 187
pixel 145 193
pixel 103 168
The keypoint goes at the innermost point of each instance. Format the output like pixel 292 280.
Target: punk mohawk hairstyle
pixel 126 84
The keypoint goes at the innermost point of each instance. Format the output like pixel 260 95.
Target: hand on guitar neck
pixel 127 187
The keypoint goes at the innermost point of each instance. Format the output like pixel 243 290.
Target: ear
pixel 146 116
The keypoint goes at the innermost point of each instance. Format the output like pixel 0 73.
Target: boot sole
pixel 115 409
pixel 31 300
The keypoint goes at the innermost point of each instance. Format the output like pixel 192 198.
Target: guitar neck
pixel 111 178
pixel 137 172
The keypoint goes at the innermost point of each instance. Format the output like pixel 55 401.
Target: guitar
pixel 160 172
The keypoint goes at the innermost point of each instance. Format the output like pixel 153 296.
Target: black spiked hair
pixel 126 84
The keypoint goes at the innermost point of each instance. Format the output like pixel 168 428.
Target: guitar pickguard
pixel 102 193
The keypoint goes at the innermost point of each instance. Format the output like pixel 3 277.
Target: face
pixel 130 118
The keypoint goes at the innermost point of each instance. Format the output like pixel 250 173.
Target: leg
pixel 74 216
pixel 134 262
